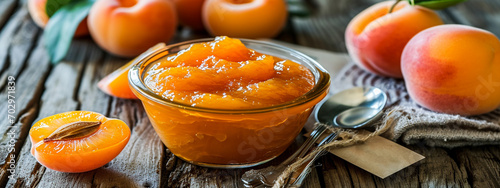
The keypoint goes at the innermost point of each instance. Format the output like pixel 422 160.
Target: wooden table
pixel 43 89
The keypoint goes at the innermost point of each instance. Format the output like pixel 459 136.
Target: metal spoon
pixel 341 106
pixel 368 109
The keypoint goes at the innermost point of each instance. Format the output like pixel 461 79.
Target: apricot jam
pixel 220 104
pixel 224 74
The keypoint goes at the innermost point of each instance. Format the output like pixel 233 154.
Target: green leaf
pixel 298 8
pixel 53 5
pixel 61 28
pixel 435 4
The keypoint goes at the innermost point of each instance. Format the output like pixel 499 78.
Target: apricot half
pixel 453 69
pixel 116 83
pixel 376 38
pixel 77 141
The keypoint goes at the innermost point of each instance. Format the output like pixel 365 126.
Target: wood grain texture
pixel 139 164
pixel 16 41
pixel 189 175
pixel 28 89
pixel 481 164
pixel 44 90
pixel 89 97
pixel 7 7
pixel 57 97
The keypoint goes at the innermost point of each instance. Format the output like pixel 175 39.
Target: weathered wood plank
pixel 335 172
pixel 17 37
pixel 139 164
pixel 60 87
pixel 7 7
pixel 439 169
pixel 313 180
pixel 189 175
pixel 90 98
pixel 482 165
pixel 29 82
pixel 15 140
pixel 20 48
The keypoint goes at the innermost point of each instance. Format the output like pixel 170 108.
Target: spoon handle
pixel 304 148
pixel 298 177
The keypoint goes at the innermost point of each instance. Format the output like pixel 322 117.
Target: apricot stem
pixel 393 5
pixel 75 130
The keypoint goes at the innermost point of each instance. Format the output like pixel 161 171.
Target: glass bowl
pixel 227 138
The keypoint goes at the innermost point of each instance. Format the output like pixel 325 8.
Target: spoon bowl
pixel 357 117
pixel 352 108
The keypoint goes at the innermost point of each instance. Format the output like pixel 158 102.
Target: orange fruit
pixel 116 84
pixel 56 144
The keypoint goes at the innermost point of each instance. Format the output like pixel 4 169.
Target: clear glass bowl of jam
pixel 224 110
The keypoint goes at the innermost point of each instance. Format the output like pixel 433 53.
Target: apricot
pixel 245 18
pixel 453 69
pixel 375 38
pixel 189 13
pixel 116 83
pixel 129 27
pixel 77 141
pixel 37 11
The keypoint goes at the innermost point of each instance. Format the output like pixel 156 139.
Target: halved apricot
pixel 116 84
pixel 77 141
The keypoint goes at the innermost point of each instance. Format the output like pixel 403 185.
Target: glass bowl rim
pixel 137 83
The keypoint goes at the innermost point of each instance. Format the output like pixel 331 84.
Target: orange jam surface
pixel 224 74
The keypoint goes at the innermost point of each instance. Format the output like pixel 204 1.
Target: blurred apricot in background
pixel 129 27
pixel 375 38
pixel 245 18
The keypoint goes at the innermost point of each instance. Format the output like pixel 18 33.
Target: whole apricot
pixel 39 15
pixel 376 38
pixel 129 27
pixel 453 69
pixel 245 18
pixel 189 13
